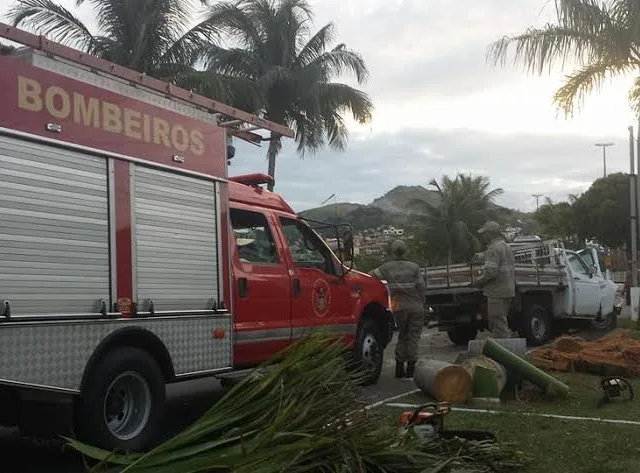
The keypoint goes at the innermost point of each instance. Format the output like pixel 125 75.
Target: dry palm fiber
pixel 302 415
pixel 616 354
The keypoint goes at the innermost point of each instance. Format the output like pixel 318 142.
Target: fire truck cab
pixel 129 259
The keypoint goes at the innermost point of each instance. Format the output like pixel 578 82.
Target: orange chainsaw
pixel 427 421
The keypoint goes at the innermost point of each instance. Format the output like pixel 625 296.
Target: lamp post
pixel 537 196
pixel 332 196
pixel 604 155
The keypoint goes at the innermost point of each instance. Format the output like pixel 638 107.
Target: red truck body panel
pixel 104 120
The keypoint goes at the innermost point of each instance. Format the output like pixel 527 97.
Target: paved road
pixel 186 401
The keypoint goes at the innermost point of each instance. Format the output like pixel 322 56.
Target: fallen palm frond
pixel 300 413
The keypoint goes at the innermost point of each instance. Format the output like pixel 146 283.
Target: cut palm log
pixel 524 369
pixel 488 375
pixel 516 345
pixel 485 383
pixel 443 381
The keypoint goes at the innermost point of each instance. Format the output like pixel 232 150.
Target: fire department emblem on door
pixel 321 296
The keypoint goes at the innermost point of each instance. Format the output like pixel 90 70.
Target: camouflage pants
pixel 410 323
pixel 498 310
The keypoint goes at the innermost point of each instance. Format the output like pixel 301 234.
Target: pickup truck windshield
pixel 578 266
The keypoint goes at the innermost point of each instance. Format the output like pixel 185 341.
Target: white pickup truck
pixel 556 289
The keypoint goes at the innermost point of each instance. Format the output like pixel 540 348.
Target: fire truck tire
pixel 369 351
pixel 121 405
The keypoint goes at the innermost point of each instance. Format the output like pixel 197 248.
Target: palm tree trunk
pixel 271 156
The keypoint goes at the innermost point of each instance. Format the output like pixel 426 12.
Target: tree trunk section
pixel 272 153
pixel 443 381
pixel 524 369
pixel 489 376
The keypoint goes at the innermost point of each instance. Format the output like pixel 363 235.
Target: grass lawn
pixel 585 392
pixel 561 446
pixel 557 445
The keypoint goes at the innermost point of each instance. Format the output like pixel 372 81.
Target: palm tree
pixel 603 38
pixel 151 36
pixel 462 206
pixel 558 219
pixel 293 72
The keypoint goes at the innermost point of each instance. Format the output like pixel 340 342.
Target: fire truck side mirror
pixel 231 152
pixel 348 245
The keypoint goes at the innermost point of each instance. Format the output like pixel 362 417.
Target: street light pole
pixel 335 197
pixel 604 155
pixel 633 216
pixel 537 196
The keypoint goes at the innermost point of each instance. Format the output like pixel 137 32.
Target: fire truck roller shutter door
pixel 176 241
pixel 54 230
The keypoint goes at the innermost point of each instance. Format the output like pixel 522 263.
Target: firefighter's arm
pixel 491 267
pixel 377 273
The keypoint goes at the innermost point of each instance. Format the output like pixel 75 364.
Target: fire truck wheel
pixel 122 402
pixel 369 352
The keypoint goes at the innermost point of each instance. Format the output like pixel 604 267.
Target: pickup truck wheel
pixel 462 334
pixel 538 325
pixel 369 351
pixel 122 403
pixel 605 323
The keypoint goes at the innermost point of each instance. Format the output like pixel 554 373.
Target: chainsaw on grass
pixel 427 422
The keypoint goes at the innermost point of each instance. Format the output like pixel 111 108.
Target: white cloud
pixel 522 164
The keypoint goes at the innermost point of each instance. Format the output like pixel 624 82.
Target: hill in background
pixel 394 208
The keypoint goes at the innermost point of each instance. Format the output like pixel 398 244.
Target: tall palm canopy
pixel 157 37
pixel 293 71
pixel 601 37
pixel 462 206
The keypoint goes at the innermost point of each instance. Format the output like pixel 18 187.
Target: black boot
pixel 400 369
pixel 411 367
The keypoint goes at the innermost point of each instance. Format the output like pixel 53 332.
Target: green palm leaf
pixel 600 39
pixel 299 413
pixel 294 70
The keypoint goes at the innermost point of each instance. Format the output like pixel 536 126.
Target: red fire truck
pixel 129 259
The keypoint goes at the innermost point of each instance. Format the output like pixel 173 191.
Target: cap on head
pixel 490 227
pixel 398 248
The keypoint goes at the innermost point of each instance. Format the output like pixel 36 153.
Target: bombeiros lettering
pixel 92 112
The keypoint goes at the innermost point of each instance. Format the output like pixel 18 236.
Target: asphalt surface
pixel 186 402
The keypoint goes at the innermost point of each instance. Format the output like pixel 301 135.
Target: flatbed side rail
pixel 463 276
pixel 228 116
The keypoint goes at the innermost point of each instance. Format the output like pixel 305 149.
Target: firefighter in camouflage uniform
pixel 407 291
pixel 498 282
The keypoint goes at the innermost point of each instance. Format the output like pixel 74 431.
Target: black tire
pixel 125 372
pixel 369 353
pixel 609 322
pixel 462 334
pixel 538 327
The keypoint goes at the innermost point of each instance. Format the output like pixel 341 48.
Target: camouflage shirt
pixel 406 284
pixel 499 277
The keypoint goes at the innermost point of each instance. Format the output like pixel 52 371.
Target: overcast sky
pixel 440 109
